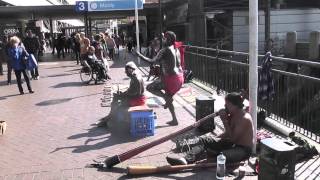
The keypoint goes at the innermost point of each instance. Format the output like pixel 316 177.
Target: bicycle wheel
pixel 86 74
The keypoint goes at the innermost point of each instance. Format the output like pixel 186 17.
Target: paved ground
pixel 51 133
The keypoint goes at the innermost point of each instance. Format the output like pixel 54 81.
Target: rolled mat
pixel 279 127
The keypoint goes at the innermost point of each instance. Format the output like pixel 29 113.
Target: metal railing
pixel 296 102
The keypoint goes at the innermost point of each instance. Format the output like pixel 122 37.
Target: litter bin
pixel 204 107
pixel 276 160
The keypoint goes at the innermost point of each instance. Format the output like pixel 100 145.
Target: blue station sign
pixel 107 5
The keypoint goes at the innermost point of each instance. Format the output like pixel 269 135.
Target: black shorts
pixel 233 152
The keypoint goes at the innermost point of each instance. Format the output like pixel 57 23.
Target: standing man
pixel 111 46
pixel 2 54
pixel 171 77
pixel 84 46
pixel 32 45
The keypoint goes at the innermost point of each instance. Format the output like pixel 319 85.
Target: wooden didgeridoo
pixel 116 159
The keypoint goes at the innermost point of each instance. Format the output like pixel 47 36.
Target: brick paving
pixel 51 134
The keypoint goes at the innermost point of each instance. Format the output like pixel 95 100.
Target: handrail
pixel 287 60
pixel 247 65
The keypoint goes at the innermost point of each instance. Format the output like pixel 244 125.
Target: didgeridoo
pixel 145 170
pixel 116 159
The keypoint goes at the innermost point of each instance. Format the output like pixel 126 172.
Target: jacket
pixel 16 57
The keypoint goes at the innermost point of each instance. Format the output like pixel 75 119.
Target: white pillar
pixel 253 63
pixel 137 28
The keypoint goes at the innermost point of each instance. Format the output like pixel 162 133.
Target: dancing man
pixel 171 78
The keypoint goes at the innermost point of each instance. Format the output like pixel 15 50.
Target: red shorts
pixel 173 83
pixel 138 101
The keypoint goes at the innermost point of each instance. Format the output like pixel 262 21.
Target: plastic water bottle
pixel 155 118
pixel 221 166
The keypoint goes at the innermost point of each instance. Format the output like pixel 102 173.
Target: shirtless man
pixel 171 76
pixel 235 142
pixel 84 46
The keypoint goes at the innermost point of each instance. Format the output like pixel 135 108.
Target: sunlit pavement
pixel 51 134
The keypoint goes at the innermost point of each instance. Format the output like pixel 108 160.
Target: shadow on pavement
pixel 59 101
pixel 59 75
pixel 57 67
pixel 5 83
pixel 176 175
pixel 5 97
pixel 54 101
pixel 71 70
pixel 68 84
pixel 101 137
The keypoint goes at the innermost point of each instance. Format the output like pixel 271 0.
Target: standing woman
pixel 16 54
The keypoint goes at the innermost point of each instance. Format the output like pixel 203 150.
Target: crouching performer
pixel 133 96
pixel 171 76
pixel 235 142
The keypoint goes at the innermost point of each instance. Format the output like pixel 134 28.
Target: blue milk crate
pixel 142 123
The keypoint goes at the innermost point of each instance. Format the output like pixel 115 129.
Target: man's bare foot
pixel 173 123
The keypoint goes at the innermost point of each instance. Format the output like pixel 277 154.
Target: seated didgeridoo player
pixel 235 142
pixel 133 96
pixel 171 75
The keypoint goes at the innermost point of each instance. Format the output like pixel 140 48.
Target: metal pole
pixel 160 23
pixel 267 25
pixel 137 28
pixel 90 28
pixel 253 64
pixel 86 23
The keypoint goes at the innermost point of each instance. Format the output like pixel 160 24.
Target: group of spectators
pixel 78 44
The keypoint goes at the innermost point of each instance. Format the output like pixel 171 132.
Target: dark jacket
pixel 32 44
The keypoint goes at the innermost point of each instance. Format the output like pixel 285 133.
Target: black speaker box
pixel 204 107
pixel 276 160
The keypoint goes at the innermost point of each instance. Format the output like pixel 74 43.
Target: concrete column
pixel 314 45
pixel 197 23
pixel 290 49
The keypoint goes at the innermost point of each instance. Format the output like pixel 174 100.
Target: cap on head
pixel 235 99
pixel 131 65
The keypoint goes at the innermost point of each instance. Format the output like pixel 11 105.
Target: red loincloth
pixel 173 83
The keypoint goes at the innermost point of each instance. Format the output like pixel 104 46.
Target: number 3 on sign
pixel 81 6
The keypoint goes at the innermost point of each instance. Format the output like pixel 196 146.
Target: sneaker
pixel 31 92
pixel 102 124
pixel 196 153
pixel 174 159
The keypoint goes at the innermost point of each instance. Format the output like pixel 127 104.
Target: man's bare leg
pixel 174 121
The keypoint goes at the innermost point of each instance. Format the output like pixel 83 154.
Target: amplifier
pixel 204 107
pixel 276 160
